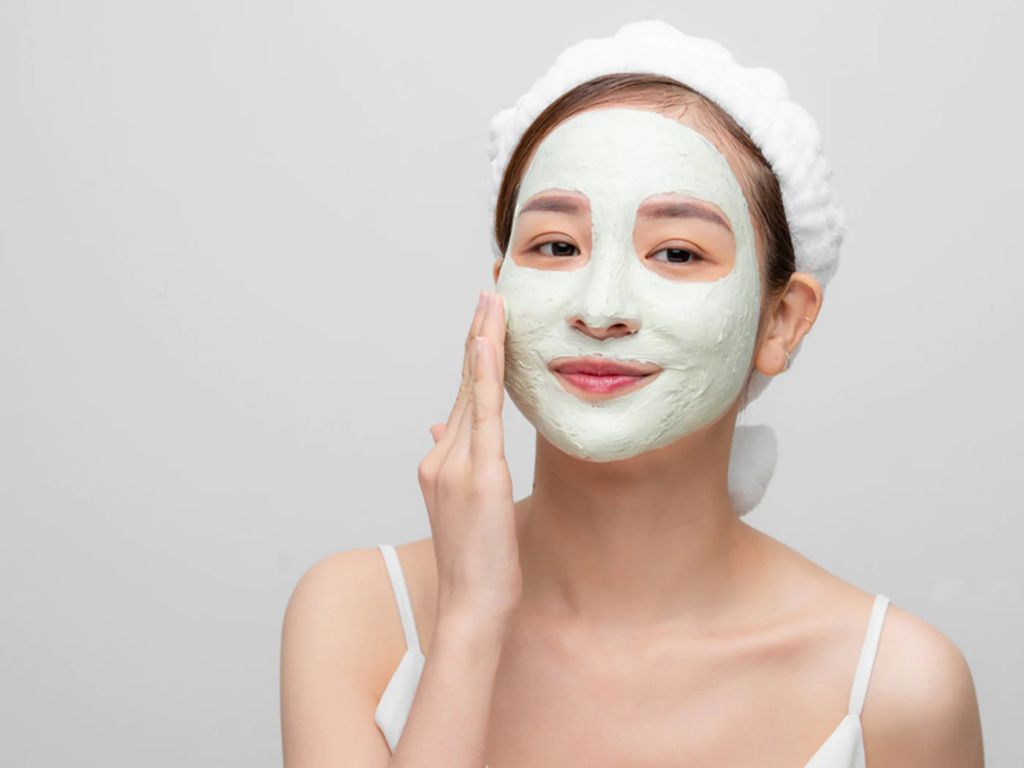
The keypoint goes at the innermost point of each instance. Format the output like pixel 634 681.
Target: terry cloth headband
pixel 757 98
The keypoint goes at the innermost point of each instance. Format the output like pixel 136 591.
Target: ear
pixel 790 320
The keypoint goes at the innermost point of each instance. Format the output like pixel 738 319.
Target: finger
pixel 455 417
pixel 436 430
pixel 479 315
pixel 474 330
pixel 487 442
pixel 459 432
pixel 495 330
pixel 493 327
pixel 460 449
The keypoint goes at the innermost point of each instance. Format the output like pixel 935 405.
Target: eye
pixel 560 251
pixel 680 256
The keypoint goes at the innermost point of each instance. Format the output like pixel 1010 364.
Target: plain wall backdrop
pixel 240 245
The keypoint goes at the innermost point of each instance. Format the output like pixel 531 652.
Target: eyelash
pixel 694 256
pixel 554 242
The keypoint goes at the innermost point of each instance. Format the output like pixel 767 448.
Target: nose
pixel 605 308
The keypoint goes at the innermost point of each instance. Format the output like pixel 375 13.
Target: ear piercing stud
pixel 787 353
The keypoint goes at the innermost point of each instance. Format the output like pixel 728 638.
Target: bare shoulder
pixel 345 603
pixel 335 604
pixel 341 639
pixel 921 707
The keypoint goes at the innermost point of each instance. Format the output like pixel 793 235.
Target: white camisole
pixel 844 748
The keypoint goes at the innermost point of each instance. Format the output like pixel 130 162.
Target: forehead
pixel 622 155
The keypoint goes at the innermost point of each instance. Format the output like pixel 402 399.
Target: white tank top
pixel 844 748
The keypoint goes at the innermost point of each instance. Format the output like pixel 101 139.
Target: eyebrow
pixel 682 209
pixel 676 209
pixel 554 204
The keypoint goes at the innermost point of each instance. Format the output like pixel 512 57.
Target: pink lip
pixel 600 376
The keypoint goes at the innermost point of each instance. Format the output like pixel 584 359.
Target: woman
pixel 623 614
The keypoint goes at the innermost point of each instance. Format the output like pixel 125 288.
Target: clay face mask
pixel 701 333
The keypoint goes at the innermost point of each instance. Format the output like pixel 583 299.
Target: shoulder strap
pixel 394 566
pixel 867 654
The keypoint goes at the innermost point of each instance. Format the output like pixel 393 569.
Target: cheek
pixel 536 298
pixel 685 311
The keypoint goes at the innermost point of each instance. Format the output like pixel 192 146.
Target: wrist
pixel 468 623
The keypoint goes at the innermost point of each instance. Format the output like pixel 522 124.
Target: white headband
pixel 757 98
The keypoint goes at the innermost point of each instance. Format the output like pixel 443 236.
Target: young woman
pixel 623 614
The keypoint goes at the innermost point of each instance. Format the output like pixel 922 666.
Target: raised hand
pixel 466 482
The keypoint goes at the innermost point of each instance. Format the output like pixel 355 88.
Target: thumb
pixel 436 430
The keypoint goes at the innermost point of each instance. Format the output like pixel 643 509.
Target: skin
pixel 622 614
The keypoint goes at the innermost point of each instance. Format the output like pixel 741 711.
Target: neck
pixel 639 541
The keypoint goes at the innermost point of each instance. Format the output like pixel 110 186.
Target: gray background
pixel 240 243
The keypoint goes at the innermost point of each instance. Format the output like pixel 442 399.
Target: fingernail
pixel 481 302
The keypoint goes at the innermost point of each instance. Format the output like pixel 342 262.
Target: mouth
pixel 600 376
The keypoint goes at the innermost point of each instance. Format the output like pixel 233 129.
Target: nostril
pixel 615 329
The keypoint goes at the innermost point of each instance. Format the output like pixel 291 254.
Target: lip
pixel 599 376
pixel 601 366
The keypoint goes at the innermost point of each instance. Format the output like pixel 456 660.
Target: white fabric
pixel 758 99
pixel 396 701
pixel 844 747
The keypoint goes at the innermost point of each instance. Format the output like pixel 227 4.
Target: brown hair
pixel 758 181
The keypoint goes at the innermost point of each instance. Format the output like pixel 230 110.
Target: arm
pixel 468 491
pixel 447 724
pixel 327 697
pixel 336 612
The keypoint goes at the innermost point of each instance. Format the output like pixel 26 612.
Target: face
pixel 616 257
